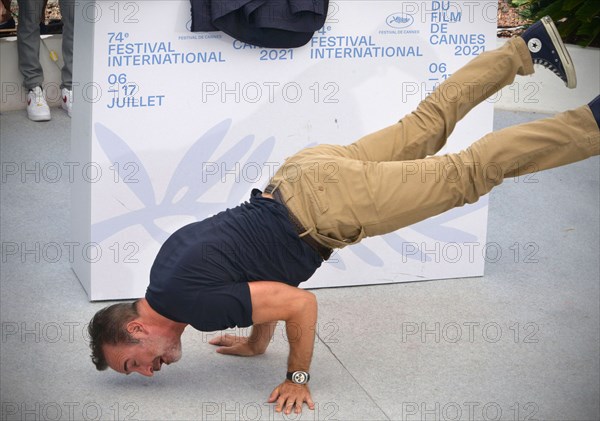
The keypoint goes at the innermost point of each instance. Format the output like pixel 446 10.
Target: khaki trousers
pixel 389 179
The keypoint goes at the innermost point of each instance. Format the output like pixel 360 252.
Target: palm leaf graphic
pixel 119 152
pixel 260 155
pixel 226 162
pixel 336 260
pixel 396 242
pixel 203 148
pixel 184 177
pixel 189 173
pixel 445 234
pixel 189 166
pixel 365 254
pixel 433 227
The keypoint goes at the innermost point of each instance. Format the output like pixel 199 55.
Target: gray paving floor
pixel 520 343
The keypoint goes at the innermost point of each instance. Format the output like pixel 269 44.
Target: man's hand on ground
pixel 255 344
pixel 288 394
pixel 235 345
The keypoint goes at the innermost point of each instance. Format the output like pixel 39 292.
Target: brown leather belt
pixel 324 252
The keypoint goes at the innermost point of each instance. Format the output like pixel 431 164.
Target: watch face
pixel 299 377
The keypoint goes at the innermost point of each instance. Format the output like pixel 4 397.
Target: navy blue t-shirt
pixel 201 273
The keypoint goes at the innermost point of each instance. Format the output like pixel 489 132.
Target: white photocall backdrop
pixel 170 127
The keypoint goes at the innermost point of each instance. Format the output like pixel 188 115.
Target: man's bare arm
pixel 273 301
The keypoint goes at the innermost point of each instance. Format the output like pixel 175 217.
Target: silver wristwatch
pixel 298 377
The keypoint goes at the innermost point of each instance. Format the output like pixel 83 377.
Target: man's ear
pixel 135 327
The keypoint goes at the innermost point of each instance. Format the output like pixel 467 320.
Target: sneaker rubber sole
pixel 563 54
pixel 39 117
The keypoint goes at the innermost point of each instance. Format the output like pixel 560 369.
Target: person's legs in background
pixel 28 43
pixel 67 10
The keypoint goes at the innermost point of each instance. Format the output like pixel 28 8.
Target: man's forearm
pixel 300 331
pixel 261 336
pixel 278 301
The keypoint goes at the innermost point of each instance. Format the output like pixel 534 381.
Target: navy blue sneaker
pixel 595 108
pixel 547 49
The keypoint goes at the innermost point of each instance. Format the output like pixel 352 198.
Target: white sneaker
pixel 67 100
pixel 37 107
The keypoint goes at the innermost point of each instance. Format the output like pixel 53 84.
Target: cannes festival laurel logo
pixel 399 20
pixel 186 190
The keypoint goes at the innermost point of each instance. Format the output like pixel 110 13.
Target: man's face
pixel 144 357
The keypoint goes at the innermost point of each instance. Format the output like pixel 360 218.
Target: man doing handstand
pixel 242 267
